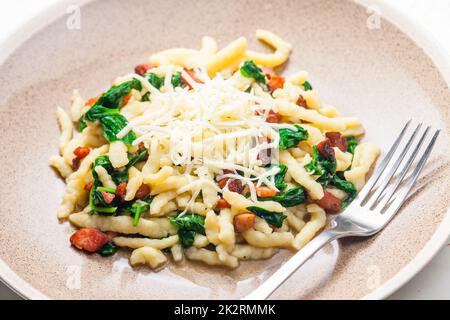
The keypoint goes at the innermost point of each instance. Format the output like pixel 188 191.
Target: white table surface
pixel 433 282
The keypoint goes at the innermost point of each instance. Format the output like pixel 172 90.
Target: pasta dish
pixel 207 155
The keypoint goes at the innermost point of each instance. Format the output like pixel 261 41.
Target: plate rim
pixel 422 38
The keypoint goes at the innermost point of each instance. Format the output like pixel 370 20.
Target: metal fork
pixel 372 209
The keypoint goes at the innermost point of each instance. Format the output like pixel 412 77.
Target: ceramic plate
pixel 384 74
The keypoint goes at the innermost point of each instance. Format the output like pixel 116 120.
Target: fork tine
pixel 404 171
pixel 374 198
pixel 376 175
pixel 403 193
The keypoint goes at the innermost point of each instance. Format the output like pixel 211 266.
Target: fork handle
pixel 290 266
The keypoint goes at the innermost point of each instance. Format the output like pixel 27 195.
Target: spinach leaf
pixel 98 203
pixel 279 178
pixel 112 125
pixel 99 111
pixel 250 70
pixel 188 225
pixel 351 144
pixel 273 218
pixel 346 186
pixel 313 165
pixel 139 207
pixel 135 159
pixel 154 80
pixel 108 250
pixel 325 168
pixel 146 97
pixel 290 198
pixel 119 176
pixel 81 124
pixel 106 110
pixel 113 98
pixel 176 80
pixel 307 86
pixel 290 138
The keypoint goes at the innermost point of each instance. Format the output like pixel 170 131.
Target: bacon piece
pixel 89 239
pixel 76 163
pixel 264 192
pixel 142 192
pixel 193 75
pixel 235 185
pixel 93 101
pixel 337 140
pixel 81 152
pixel 264 155
pixel 301 102
pixel 141 147
pixel 273 117
pixel 326 149
pixel 108 197
pixel 275 82
pixel 142 69
pixel 244 222
pixel 222 203
pixel 88 186
pixel 127 98
pixel 121 191
pixel 329 202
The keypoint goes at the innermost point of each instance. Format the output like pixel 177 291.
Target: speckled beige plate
pixel 380 75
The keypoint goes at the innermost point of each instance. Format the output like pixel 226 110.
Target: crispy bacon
pixel 142 192
pixel 337 140
pixel 244 222
pixel 275 82
pixel 301 102
pixel 142 69
pixel 329 202
pixel 222 203
pixel 88 186
pixel 234 185
pixel 127 98
pixel 264 192
pixel 76 163
pixel 273 117
pixel 264 155
pixel 326 149
pixel 108 197
pixel 193 75
pixel 81 152
pixel 93 101
pixel 121 191
pixel 89 239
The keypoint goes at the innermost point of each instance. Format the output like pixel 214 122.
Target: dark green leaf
pixel 139 207
pixel 81 124
pixel 188 225
pixel 176 80
pixel 290 198
pixel 108 250
pixel 250 70
pixel 119 175
pixel 279 178
pixel 146 97
pixel 351 144
pixel 112 125
pixel 307 86
pixel 273 218
pixel 346 186
pixel 313 165
pixel 135 159
pixel 154 80
pixel 290 138
pixel 99 111
pixel 113 98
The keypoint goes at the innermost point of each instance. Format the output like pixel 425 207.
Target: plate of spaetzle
pixel 189 161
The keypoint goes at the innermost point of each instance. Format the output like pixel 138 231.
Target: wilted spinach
pixel 250 70
pixel 273 218
pixel 188 225
pixel 289 198
pixel 290 138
